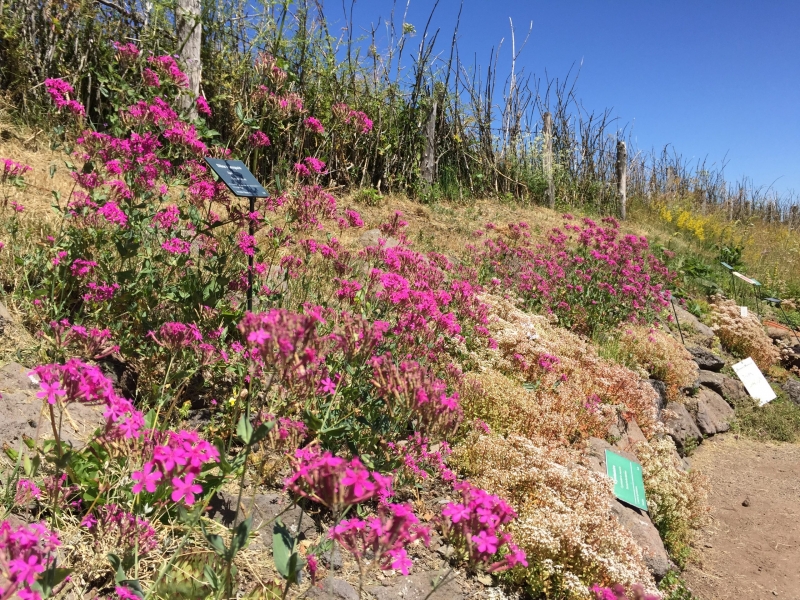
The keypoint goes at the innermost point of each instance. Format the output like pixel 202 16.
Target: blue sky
pixel 715 78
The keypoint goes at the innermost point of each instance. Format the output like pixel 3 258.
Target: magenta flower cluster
pixel 386 535
pixel 308 166
pixel 76 381
pixel 176 463
pixel 475 527
pixel 333 481
pixel 26 551
pixel 60 91
pixel 168 66
pixel 313 124
pixel 356 118
pixel 587 274
pixel 12 169
pixel 121 529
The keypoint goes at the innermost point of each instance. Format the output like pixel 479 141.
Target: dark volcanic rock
pixel 416 586
pixel 682 427
pixel 792 389
pixel 713 413
pixel 661 389
pixel 706 360
pixel 264 509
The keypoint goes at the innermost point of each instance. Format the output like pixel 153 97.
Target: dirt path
pixel 749 552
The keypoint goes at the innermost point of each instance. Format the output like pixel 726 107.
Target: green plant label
pixel 237 177
pixel 628 482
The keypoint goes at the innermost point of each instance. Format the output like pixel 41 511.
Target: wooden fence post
pixel 428 166
pixel 547 159
pixel 622 178
pixel 190 31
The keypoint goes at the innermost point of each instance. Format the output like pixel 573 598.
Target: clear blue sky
pixel 712 78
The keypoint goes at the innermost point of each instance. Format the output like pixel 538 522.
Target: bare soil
pixel 749 551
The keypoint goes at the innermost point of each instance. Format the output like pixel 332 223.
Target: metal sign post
pixel 240 181
pixel 779 303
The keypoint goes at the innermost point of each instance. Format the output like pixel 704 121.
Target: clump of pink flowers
pixel 202 106
pixel 76 381
pixel 121 529
pixel 12 169
pixel 308 166
pixel 176 463
pixel 259 139
pixel 387 535
pixel 333 481
pixel 168 67
pixel 60 91
pixel 27 491
pixel 313 124
pixel 26 551
pixel 474 526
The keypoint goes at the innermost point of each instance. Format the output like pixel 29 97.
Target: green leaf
pixel 116 564
pixel 240 535
pixel 49 580
pixel 312 421
pixel 283 551
pixel 53 169
pixel 215 541
pixel 211 578
pixel 262 432
pixel 244 429
pixel 150 419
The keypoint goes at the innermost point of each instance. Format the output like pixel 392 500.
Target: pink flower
pixel 359 478
pixel 202 106
pixel 176 246
pixel 185 489
pixel 151 78
pixel 400 560
pixel 167 218
pixel 113 213
pixel 259 139
pixel 51 391
pixel 314 125
pixel 147 478
pixel 128 51
pixel 59 91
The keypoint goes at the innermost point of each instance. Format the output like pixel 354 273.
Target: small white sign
pixel 753 379
pixel 744 311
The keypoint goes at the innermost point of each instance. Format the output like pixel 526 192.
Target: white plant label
pixel 754 381
pixel 744 311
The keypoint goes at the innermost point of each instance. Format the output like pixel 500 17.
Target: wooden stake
pixel 547 159
pixel 622 178
pixel 428 166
